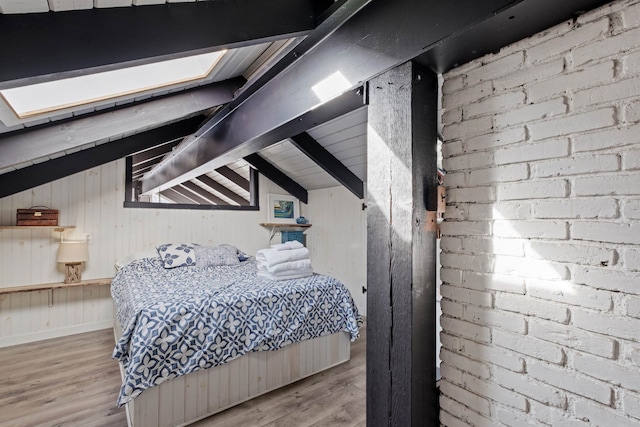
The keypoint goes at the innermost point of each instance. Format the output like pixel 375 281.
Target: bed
pixel 193 341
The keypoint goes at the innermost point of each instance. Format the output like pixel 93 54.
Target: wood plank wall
pixel 92 201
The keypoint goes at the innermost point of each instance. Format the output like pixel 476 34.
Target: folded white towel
pixel 293 244
pixel 271 257
pixel 286 275
pixel 301 264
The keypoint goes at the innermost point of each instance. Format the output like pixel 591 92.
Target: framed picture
pixel 283 208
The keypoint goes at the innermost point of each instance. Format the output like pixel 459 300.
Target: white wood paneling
pixel 197 395
pixel 111 3
pixel 345 138
pixel 62 5
pixel 337 240
pixel 23 6
pixel 92 201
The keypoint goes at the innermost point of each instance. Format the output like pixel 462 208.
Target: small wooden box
pixel 34 216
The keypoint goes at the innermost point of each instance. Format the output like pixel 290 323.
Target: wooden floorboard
pixel 72 381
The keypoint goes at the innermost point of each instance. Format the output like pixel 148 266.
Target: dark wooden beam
pixel 377 38
pixel 154 152
pixel 177 196
pixel 62 44
pixel 274 174
pixel 21 147
pixel 521 20
pixel 41 173
pixel 242 136
pixel 401 251
pixel 327 161
pixel 216 186
pixel 201 196
pixel 254 179
pixel 234 177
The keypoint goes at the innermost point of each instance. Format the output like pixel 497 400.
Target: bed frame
pixel 197 395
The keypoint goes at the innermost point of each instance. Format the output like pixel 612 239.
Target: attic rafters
pixel 41 173
pixel 234 177
pixel 100 39
pixel 327 161
pixel 333 18
pixel 275 175
pixel 244 135
pixel 23 146
pixel 216 186
pixel 201 196
pixel 172 194
pixel 381 35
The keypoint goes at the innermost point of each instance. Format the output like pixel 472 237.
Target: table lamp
pixel 73 253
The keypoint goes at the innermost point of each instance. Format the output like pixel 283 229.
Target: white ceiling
pixel 344 137
pixel 39 6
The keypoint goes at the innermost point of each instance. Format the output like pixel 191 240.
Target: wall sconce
pixel 73 254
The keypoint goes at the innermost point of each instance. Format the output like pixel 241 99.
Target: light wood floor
pixel 73 381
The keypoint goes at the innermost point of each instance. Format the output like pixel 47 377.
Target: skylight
pixel 31 100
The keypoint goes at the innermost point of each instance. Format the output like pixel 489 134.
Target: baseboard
pixel 55 333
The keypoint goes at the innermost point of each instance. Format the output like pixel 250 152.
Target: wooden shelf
pixel 59 228
pixel 48 286
pixel 279 226
pixel 284 225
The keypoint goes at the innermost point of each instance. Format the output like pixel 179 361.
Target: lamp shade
pixel 73 251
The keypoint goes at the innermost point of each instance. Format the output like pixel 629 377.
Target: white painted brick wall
pixel 529 152
pixel 586 208
pixel 576 165
pixel 576 383
pixel 541 242
pixel 529 346
pixel 609 138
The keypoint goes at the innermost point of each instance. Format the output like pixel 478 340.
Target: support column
pixel 401 249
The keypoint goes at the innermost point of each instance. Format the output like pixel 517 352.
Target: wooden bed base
pixel 195 396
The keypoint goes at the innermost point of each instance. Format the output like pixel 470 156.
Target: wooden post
pixel 401 247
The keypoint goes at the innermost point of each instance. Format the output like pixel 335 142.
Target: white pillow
pixel 149 253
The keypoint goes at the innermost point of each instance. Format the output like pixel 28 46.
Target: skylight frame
pixel 59 94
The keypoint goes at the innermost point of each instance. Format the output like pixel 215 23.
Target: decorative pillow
pixel 216 255
pixel 177 255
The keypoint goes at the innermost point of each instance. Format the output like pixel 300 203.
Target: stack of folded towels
pixel 284 261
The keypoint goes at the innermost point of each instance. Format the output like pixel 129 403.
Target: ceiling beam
pixel 201 196
pixel 58 137
pixel 100 39
pixel 240 137
pixel 154 152
pixel 275 175
pixel 327 161
pixel 519 21
pixel 172 194
pixel 380 36
pixel 234 177
pixel 41 173
pixel 216 186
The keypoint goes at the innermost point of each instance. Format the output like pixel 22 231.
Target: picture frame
pixel 282 208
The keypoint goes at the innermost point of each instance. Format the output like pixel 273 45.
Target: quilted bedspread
pixel 179 320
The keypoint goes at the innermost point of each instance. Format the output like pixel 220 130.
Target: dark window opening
pixel 231 187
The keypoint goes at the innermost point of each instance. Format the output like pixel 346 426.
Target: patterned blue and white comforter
pixel 176 321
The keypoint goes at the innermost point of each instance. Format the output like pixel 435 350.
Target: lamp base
pixel 72 272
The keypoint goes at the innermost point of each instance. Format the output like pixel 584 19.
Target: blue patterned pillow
pixel 177 254
pixel 216 255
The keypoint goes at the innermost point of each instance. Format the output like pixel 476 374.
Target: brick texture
pixel 541 241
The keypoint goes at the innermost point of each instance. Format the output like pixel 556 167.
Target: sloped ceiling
pixel 275 49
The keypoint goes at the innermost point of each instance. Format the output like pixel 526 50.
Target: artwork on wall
pixel 283 208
